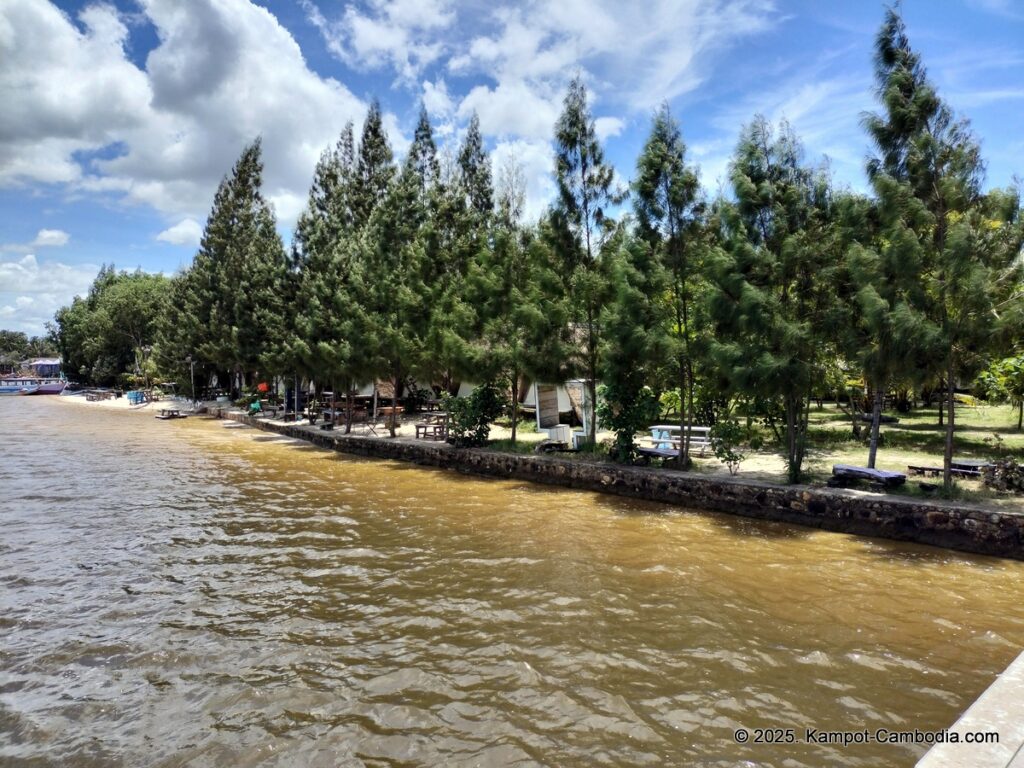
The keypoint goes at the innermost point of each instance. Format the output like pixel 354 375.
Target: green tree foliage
pixel 887 330
pixel 774 280
pixel 15 347
pixel 635 342
pixel 455 230
pixel 958 243
pixel 111 331
pixel 584 182
pixel 392 293
pixel 422 158
pixel 470 417
pixel 519 320
pixel 475 172
pixel 325 258
pixel 375 168
pixel 1004 380
pixel 666 199
pixel 231 306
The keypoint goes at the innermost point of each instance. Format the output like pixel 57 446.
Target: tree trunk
pixel 592 395
pixel 393 419
pixel 1020 415
pixel 348 406
pixel 876 421
pixel 792 470
pixel 942 404
pixel 684 446
pixel 947 461
pixel 515 405
pixel 592 373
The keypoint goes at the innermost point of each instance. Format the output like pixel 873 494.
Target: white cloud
pixel 31 291
pixel 400 34
pixel 53 237
pixel 606 127
pixel 512 109
pixel 437 99
pixel 536 160
pixel 185 232
pixel 80 113
pixel 223 73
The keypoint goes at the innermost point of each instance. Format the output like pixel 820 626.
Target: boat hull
pixel 32 387
pixel 50 388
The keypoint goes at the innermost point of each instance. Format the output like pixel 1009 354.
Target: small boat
pixel 20 385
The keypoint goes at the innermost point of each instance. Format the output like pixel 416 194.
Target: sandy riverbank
pixel 120 403
pixel 760 466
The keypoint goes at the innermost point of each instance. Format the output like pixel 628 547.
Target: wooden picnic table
pixel 671 436
pixel 433 427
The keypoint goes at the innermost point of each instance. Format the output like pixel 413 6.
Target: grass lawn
pixel 916 440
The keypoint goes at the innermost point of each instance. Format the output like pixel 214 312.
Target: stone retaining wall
pixel 971 529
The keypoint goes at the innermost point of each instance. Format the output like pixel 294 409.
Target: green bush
pixel 626 411
pixel 726 437
pixel 469 418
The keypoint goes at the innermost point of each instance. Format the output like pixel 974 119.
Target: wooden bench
pixel 843 474
pixel 657 453
pixel 937 471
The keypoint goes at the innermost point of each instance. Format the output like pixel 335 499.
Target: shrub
pixel 469 418
pixel 726 437
pixel 626 411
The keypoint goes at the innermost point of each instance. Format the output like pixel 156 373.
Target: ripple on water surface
pixel 184 594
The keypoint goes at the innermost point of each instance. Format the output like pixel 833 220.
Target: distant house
pixel 43 367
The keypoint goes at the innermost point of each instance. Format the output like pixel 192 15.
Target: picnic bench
pixel 648 453
pixel 957 468
pixel 844 474
pixel 433 427
pixel 170 413
pixel 671 436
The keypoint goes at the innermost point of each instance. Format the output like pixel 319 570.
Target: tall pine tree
pixel 230 298
pixel 584 192
pixel 668 208
pixel 952 237
pixel 774 298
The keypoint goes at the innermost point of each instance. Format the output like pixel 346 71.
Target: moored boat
pixel 21 385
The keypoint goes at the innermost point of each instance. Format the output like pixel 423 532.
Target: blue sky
pixel 121 117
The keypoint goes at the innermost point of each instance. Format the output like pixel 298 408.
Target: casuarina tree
pixel 773 280
pixel 666 199
pixel 585 191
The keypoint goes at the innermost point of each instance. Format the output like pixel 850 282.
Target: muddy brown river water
pixel 196 593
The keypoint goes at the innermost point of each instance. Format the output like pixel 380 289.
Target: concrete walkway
pixel 999 709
